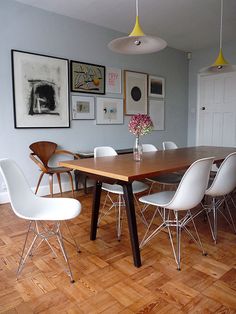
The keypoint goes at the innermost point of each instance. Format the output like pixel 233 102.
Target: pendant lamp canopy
pixel 220 65
pixel 137 42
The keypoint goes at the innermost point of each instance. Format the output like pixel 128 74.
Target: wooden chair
pixel 42 153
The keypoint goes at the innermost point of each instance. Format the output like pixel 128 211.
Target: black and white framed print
pixel 156 87
pixel 40 90
pixel 135 92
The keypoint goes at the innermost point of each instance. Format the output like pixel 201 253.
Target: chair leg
pixel 39 181
pixel 214 219
pixel 178 241
pixel 71 182
pixel 72 238
pixel 59 182
pixel 51 184
pixel 230 215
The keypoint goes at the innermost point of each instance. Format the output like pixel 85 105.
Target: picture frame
pixel 135 92
pixel 157 114
pixel 87 77
pixel 40 90
pixel 82 107
pixel 110 110
pixel 156 86
pixel 113 80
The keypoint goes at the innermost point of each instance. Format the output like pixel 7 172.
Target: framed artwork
pixel 157 113
pixel 135 92
pixel 156 87
pixel 82 107
pixel 87 77
pixel 113 80
pixel 40 90
pixel 110 111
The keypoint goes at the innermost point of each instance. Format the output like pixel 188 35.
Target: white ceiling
pixel 185 24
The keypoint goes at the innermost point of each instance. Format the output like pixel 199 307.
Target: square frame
pixel 87 77
pixel 156 86
pixel 157 114
pixel 82 107
pixel 113 80
pixel 40 90
pixel 110 111
pixel 135 92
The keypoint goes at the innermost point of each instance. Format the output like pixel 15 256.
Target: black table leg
pixel 95 209
pixel 130 210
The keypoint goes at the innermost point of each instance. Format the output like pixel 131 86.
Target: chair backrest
pixel 169 145
pixel 225 179
pixel 43 150
pixel 193 185
pixel 149 148
pixel 103 151
pixel 18 188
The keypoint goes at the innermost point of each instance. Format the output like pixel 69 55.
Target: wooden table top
pixel 124 168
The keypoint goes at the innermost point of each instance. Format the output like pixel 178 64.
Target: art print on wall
pixel 135 92
pixel 113 80
pixel 110 111
pixel 156 87
pixel 87 78
pixel 40 91
pixel 157 114
pixel 82 107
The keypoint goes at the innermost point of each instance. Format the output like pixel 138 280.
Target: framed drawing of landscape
pixel 135 92
pixel 156 87
pixel 82 107
pixel 40 90
pixel 110 111
pixel 87 77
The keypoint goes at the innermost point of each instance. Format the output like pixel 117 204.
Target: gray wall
pixel 29 29
pixel 201 59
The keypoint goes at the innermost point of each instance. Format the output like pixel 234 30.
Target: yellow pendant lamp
pixel 137 42
pixel 220 65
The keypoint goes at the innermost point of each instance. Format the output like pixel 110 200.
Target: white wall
pixel 34 30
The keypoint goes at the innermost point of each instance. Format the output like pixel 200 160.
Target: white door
pixel 217 110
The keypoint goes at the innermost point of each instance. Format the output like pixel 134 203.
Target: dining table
pixel 123 170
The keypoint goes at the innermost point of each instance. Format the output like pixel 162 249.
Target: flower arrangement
pixel 140 124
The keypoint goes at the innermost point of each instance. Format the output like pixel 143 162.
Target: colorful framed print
pixel 82 107
pixel 156 87
pixel 40 90
pixel 113 80
pixel 87 77
pixel 157 114
pixel 135 92
pixel 110 111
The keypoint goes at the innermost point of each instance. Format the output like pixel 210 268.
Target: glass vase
pixel 137 150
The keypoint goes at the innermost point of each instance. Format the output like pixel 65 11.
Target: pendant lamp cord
pixel 221 23
pixel 136 7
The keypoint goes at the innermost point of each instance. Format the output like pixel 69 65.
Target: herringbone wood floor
pixel 107 281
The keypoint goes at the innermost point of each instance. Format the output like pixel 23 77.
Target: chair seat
pixel 158 199
pixel 169 178
pixel 137 186
pixel 39 208
pixel 58 170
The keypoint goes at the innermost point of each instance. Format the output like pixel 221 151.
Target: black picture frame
pixel 87 78
pixel 40 90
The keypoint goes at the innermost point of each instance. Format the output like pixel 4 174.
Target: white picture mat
pixel 113 80
pixel 156 80
pixel 135 80
pixel 109 111
pixel 157 114
pixel 29 66
pixel 79 114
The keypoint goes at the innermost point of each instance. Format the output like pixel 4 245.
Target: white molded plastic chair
pixel 223 184
pixel 176 205
pixel 39 211
pixel 169 145
pixel 149 148
pixel 117 189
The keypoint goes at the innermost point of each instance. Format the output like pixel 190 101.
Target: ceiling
pixel 187 25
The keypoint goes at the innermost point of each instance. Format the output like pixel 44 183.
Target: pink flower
pixel 140 124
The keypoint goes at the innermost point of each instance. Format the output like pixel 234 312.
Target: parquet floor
pixel 107 281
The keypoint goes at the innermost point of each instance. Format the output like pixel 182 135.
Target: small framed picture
pixel 113 80
pixel 156 87
pixel 82 107
pixel 87 77
pixel 157 113
pixel 110 111
pixel 135 92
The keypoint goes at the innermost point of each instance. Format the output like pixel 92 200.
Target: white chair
pixel 220 193
pixel 138 187
pixel 44 214
pixel 175 207
pixel 169 145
